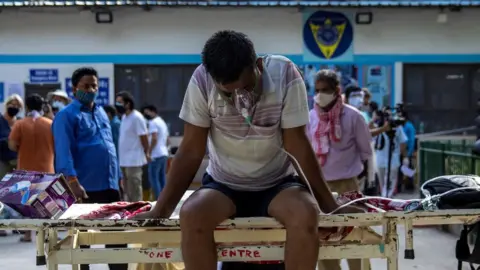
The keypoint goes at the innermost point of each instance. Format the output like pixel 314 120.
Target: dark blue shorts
pixel 252 203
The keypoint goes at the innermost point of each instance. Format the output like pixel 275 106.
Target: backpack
pixel 461 199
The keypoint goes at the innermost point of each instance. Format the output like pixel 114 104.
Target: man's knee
pixel 204 210
pixel 297 210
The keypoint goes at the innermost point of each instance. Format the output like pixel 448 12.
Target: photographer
pixel 407 159
pixel 389 145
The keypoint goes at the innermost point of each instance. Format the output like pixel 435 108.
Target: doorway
pixel 441 96
pixel 41 89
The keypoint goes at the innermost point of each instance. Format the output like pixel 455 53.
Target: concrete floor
pixel 434 250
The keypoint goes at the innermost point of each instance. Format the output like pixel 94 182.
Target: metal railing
pixel 446 157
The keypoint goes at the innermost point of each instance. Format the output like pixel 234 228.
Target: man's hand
pixel 386 126
pixel 145 215
pixel 148 157
pixel 77 189
pixel 406 162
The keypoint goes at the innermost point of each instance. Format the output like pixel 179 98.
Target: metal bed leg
pixel 74 233
pixel 409 252
pixel 40 242
pixel 52 240
pixel 392 245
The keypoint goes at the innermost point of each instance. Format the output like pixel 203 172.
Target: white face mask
pixel 323 99
pixel 355 102
pixel 58 105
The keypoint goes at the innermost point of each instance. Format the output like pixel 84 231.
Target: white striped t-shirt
pixel 244 157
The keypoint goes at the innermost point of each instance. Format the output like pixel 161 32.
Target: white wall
pixel 184 31
pixel 20 73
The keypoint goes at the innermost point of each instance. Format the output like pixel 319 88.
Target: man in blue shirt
pixel 84 148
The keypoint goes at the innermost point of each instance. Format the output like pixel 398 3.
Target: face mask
pixel 58 105
pixel 85 98
pixel 120 108
pixel 148 117
pixel 12 111
pixel 323 99
pixel 355 102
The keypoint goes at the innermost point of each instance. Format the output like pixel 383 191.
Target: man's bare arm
pixel 180 175
pixel 13 145
pixel 296 143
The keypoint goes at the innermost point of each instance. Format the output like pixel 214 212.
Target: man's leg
pixel 154 177
pixel 133 183
pixel 342 186
pixel 199 215
pixel 163 171
pixel 125 184
pixel 295 208
pixel 393 181
pixel 382 178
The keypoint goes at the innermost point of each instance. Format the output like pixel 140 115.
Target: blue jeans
pixel 156 174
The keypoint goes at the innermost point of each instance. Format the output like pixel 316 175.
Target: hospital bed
pixel 242 239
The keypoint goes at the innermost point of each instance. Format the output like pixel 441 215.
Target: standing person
pixel 411 133
pixel 8 158
pixel 32 138
pixel 115 128
pixel 158 140
pixel 341 140
pixel 58 100
pixel 114 123
pixel 367 96
pixel 133 149
pixel 83 140
pixel 388 182
pixel 250 110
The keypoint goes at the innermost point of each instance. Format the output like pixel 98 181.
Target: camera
pixel 394 119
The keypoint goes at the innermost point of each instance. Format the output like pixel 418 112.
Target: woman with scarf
pixel 341 140
pixel 32 138
pixel 8 158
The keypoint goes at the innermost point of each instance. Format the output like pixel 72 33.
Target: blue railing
pixel 258 3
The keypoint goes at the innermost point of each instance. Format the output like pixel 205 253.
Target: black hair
pixel 150 108
pixel 373 106
pixel 110 109
pixel 329 77
pixel 34 102
pixel 82 72
pixel 227 54
pixel 127 98
pixel 310 66
pixel 351 89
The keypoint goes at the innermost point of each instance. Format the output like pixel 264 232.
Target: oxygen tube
pixel 427 202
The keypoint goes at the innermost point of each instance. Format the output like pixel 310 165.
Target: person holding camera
pixel 389 145
pixel 341 140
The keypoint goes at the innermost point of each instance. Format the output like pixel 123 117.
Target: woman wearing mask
pixel 341 140
pixel 8 158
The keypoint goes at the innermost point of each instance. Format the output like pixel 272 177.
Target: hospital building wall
pixel 65 39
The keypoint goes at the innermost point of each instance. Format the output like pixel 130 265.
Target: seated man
pixel 246 109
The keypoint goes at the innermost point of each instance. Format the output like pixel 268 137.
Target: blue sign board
pixel 43 75
pixel 2 92
pixel 103 90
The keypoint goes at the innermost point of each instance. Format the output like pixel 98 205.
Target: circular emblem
pixel 327 35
